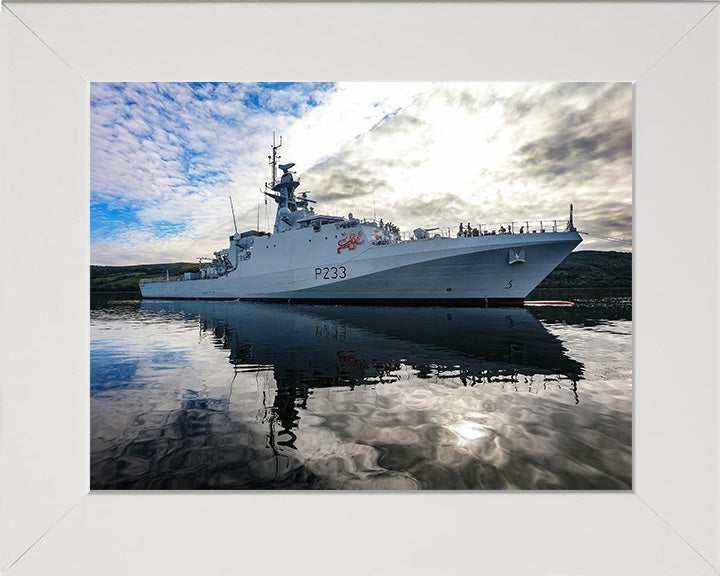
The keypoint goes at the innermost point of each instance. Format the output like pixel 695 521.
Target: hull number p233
pixel 330 272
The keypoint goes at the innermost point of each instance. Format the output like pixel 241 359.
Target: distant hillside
pixel 588 269
pixel 591 269
pixel 126 278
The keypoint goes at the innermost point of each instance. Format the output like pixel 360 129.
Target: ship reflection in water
pixel 238 395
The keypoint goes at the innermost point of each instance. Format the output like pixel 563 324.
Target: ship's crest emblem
pixel 350 242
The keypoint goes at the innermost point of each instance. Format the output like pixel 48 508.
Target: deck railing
pixel 159 279
pixel 523 227
pixel 507 227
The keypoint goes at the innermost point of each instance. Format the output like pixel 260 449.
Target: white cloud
pixel 171 153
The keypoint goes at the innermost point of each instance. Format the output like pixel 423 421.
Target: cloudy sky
pixel 166 156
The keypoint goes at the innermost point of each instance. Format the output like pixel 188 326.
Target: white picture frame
pixel 51 524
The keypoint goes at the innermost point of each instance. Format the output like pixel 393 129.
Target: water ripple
pixel 198 395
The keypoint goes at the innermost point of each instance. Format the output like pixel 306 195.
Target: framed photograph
pixel 51 521
pixel 343 331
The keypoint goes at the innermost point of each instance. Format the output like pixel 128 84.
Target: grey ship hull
pixel 485 270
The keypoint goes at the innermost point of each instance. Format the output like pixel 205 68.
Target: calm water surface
pixel 238 395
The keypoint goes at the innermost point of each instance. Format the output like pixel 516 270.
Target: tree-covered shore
pixel 126 278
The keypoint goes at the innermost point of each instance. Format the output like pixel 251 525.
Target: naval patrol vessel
pixel 319 258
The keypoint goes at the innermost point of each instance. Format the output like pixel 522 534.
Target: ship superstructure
pixel 319 258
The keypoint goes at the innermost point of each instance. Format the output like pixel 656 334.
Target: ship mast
pixel 273 161
pixel 283 192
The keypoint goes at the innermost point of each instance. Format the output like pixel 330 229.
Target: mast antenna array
pixel 273 161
